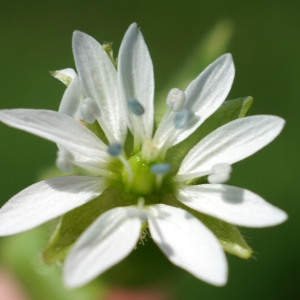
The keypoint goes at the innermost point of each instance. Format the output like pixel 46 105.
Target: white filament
pixel 138 212
pixel 115 150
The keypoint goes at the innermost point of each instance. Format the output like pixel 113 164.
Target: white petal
pixel 204 96
pixel 232 142
pixel 58 128
pixel 46 200
pixel 106 242
pixel 136 80
pixel 188 243
pixel 70 105
pixel 94 166
pixel 72 99
pixel 99 79
pixel 231 204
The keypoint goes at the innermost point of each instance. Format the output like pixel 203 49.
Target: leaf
pixel 228 235
pixel 229 111
pixel 72 224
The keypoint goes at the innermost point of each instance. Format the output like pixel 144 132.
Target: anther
pixel 64 160
pixel 220 173
pixel 136 107
pixel 175 99
pixel 160 169
pixel 114 149
pixel 181 118
pixel 90 110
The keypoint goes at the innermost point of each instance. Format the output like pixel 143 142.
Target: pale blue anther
pixel 160 169
pixel 90 110
pixel 64 160
pixel 181 118
pixel 114 149
pixel 175 99
pixel 136 107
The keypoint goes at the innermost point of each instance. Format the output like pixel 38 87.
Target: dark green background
pixel 35 37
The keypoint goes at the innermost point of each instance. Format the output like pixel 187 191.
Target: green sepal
pixel 109 50
pixel 65 79
pixel 228 235
pixel 72 224
pixel 229 111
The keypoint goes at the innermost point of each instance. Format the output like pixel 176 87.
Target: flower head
pixel 90 129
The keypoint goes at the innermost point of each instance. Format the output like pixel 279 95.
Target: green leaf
pixel 72 224
pixel 229 111
pixel 228 235
pixel 214 44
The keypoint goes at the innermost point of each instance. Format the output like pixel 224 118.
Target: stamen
pixel 138 212
pixel 90 110
pixel 175 99
pixel 191 176
pixel 220 173
pixel 149 151
pixel 115 150
pixel 159 170
pixel 141 203
pixel 181 118
pixel 136 107
pixel 64 160
pixel 128 169
pixel 143 236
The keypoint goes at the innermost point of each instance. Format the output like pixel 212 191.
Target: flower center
pixel 145 181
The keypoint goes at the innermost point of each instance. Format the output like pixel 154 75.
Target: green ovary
pixel 143 183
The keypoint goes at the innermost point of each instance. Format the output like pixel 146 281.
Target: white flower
pixel 124 98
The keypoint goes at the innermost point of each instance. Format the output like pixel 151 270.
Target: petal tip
pixel 227 57
pixel 70 283
pixel 132 31
pixel 133 26
pixel 282 216
pixel 76 33
pixel 79 35
pixel 219 278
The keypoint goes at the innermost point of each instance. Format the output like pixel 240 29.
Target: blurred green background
pixel 36 37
